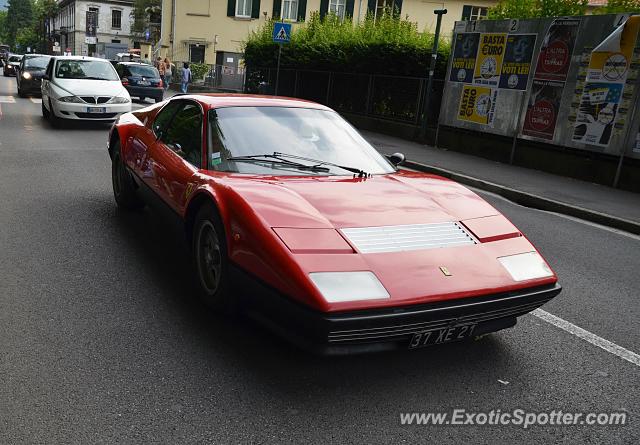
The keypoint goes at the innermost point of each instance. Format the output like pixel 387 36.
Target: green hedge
pixel 388 45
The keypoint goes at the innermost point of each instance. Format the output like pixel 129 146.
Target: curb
pixel 531 200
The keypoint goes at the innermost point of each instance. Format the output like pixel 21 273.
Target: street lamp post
pixel 432 66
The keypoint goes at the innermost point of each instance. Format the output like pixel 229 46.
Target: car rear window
pixel 36 62
pixel 143 71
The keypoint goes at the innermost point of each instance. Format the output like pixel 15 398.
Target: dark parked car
pixel 141 80
pixel 11 67
pixel 30 73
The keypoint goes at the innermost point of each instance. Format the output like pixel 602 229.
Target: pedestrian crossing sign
pixel 282 32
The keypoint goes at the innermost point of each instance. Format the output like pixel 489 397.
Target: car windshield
pixel 315 134
pixel 85 69
pixel 143 71
pixel 36 62
pixel 15 58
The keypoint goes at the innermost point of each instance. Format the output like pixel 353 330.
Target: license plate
pixel 96 110
pixel 442 335
pixel 144 83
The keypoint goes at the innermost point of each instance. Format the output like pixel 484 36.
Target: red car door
pixel 176 155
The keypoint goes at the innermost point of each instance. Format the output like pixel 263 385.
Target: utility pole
pixel 432 66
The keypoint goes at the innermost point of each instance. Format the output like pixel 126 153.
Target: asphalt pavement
pixel 101 340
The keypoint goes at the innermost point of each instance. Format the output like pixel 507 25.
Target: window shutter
pixel 302 10
pixel 324 7
pixel 348 8
pixel 277 9
pixel 397 7
pixel 371 6
pixel 255 9
pixel 466 12
pixel 231 8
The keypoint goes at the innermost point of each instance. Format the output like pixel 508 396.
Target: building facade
pixel 212 31
pixel 74 32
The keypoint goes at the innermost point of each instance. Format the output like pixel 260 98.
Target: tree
pixel 43 11
pixel 616 6
pixel 144 15
pixel 3 27
pixel 525 9
pixel 19 15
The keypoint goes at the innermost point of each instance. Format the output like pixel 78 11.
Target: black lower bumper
pixel 389 328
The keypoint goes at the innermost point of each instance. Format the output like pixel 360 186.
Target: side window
pixel 164 117
pixel 184 134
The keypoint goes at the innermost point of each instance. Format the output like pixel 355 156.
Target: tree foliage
pixel 388 45
pixel 19 15
pixel 616 6
pixel 25 23
pixel 525 9
pixel 142 12
pixel 3 27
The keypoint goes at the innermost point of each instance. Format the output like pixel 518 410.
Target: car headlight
pixel 525 266
pixel 338 287
pixel 26 75
pixel 71 99
pixel 118 100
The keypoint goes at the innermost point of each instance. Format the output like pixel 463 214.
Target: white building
pixel 69 27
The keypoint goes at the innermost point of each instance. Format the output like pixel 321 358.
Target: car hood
pixel 80 87
pixel 298 209
pixel 338 202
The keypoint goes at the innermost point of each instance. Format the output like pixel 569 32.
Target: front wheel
pixel 124 190
pixel 209 252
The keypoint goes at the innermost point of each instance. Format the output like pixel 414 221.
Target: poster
pixel 478 105
pixel 517 61
pixel 597 113
pixel 464 57
pixel 542 109
pixel 489 61
pixel 555 54
pixel 611 59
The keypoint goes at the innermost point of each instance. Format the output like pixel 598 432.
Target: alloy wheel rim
pixel 209 258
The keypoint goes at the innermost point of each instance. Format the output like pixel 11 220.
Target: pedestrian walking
pixel 186 77
pixel 168 72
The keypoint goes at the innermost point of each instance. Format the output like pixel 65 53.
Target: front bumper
pixel 75 111
pixel 30 85
pixel 389 328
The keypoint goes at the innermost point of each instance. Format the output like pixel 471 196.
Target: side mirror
pixel 396 158
pixel 46 77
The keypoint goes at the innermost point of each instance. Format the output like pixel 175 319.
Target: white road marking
pixel 7 99
pixel 600 342
pixel 35 100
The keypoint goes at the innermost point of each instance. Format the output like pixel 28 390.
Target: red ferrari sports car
pixel 292 215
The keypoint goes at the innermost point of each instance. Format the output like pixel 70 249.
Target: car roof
pixel 31 55
pixel 221 100
pixel 136 63
pixel 98 59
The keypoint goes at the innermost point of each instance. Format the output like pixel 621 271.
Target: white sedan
pixel 84 88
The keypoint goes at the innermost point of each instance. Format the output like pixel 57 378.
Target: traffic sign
pixel 281 32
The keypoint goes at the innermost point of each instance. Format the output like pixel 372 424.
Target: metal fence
pixel 394 98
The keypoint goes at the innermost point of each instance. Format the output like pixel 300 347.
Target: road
pixel 101 340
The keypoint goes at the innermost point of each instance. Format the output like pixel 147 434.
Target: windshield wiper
pixel 355 171
pixel 271 159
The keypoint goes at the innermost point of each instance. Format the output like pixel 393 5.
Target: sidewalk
pixel 533 188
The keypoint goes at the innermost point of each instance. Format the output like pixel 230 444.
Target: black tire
pixel 20 92
pixel 158 99
pixel 211 265
pixel 124 189
pixel 53 119
pixel 142 99
pixel 45 112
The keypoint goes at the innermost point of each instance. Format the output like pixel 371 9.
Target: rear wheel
pixel 124 189
pixel 209 251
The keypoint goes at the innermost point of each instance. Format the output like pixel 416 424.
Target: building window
pixel 116 19
pixel 290 9
pixel 97 12
pixel 470 12
pixel 243 8
pixel 337 7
